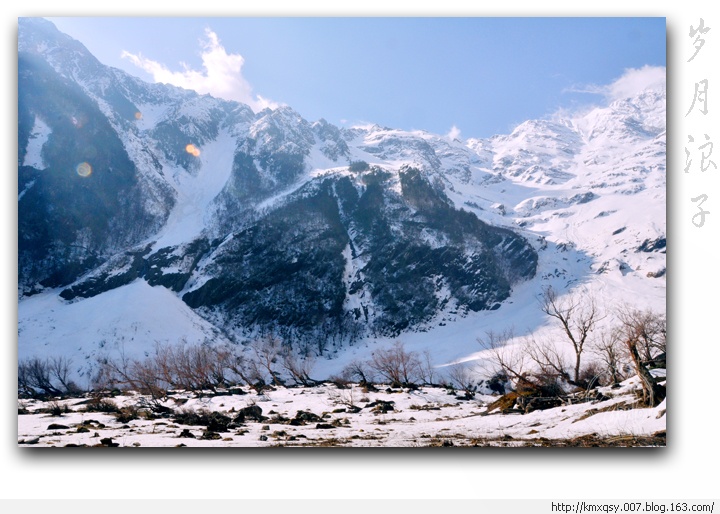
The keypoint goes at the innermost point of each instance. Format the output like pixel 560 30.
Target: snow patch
pixel 27 187
pixel 149 115
pixel 196 192
pixel 38 137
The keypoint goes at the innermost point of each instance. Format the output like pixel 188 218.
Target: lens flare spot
pixel 84 169
pixel 138 115
pixel 192 150
pixel 79 120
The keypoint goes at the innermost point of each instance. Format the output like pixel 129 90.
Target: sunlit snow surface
pixel 129 320
pixel 196 191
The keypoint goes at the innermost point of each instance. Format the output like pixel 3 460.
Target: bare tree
pixel 532 367
pixel 427 372
pixel 577 315
pixel 506 359
pixel 219 371
pixel 611 352
pixel 637 331
pixel 193 367
pixel 358 371
pixel 267 351
pixel 25 390
pixel 650 329
pixel 551 362
pixel 60 370
pixel 40 374
pixel 246 368
pixel 396 365
pixel 298 368
pixel 146 376
pixel 653 393
pixel 462 377
pixel 35 378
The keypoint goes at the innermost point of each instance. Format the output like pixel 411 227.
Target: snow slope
pixel 129 320
pixel 195 192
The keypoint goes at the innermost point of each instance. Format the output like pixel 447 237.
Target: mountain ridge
pixel 268 222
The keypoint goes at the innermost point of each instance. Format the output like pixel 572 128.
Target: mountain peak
pixel 266 223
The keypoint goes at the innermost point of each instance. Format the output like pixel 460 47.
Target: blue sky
pixel 481 76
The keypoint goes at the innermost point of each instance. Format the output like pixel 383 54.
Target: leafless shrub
pixel 427 373
pixel 347 397
pixel 128 413
pixel 504 359
pixel 147 376
pixel 397 366
pixel 193 367
pixel 54 408
pixel 551 363
pixel 612 354
pixel 297 367
pixel 43 378
pixel 358 371
pixel 60 370
pixel 34 379
pixel 196 368
pixel 647 327
pixel 462 377
pixel 266 352
pixel 532 367
pixel 100 404
pixel 243 369
pixel 644 332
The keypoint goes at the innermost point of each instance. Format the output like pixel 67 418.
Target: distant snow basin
pixel 131 318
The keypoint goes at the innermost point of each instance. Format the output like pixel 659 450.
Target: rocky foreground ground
pixel 329 416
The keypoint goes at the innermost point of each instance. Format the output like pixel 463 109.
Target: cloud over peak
pixel 631 83
pixel 454 133
pixel 635 81
pixel 221 74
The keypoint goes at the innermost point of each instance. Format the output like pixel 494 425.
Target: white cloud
pixel 221 75
pixel 632 82
pixel 454 133
pixel 635 81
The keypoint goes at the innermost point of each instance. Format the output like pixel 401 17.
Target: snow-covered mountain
pixel 148 213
